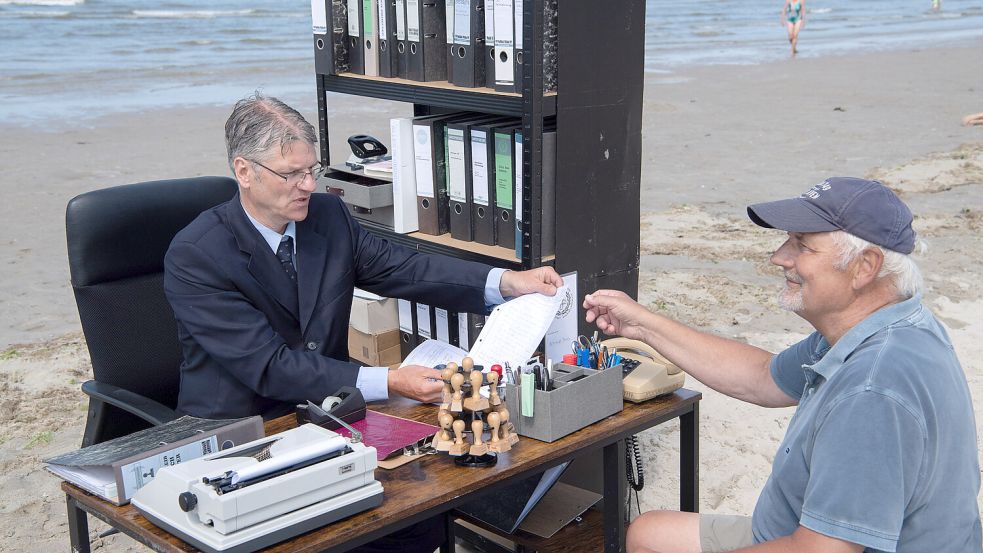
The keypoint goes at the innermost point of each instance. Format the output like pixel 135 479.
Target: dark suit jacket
pixel 253 342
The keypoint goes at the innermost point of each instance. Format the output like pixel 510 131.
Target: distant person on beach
pixel 973 119
pixel 936 5
pixel 794 18
pixel 881 454
pixel 261 287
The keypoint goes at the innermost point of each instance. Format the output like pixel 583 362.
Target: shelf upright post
pixel 532 133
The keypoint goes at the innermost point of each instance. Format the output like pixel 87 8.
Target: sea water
pixel 78 59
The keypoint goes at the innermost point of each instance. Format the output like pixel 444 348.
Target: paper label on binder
pixel 490 23
pixel 319 16
pixel 353 7
pixel 424 161
pixel 383 25
pixel 413 20
pixel 479 168
pixel 139 473
pixel 456 166
pixel 462 22
pixel 400 20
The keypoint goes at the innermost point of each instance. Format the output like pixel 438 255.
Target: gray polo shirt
pixel 882 448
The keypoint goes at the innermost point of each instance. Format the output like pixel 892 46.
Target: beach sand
pixel 715 139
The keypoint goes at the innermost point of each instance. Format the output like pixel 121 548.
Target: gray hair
pixel 900 268
pixel 258 123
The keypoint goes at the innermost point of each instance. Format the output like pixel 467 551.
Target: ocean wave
pixel 21 14
pixel 820 10
pixel 190 14
pixel 41 2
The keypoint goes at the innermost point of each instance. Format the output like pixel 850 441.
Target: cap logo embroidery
pixel 816 190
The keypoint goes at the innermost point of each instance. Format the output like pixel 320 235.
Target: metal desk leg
pixel 614 497
pixel 78 526
pixel 689 460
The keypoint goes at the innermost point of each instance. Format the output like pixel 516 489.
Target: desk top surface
pixel 425 487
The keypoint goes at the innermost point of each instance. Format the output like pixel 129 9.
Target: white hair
pixel 899 267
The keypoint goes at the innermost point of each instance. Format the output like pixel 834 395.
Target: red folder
pixel 389 434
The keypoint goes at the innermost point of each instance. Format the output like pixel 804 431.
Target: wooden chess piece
pixel 479 448
pixel 457 380
pixel 444 441
pixel 446 375
pixel 508 429
pixel 494 398
pixel 460 446
pixel 475 402
pixel 497 444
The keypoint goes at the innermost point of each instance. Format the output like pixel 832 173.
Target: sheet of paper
pixel 432 353
pixel 364 294
pixel 563 330
pixel 515 328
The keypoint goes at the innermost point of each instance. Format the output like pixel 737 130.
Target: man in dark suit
pixel 261 288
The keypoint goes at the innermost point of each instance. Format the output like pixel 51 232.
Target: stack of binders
pixel 468 43
pixel 419 322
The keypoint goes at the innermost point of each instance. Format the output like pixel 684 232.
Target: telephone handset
pixel 647 373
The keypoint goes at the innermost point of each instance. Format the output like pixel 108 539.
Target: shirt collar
pixel 272 237
pixel 884 317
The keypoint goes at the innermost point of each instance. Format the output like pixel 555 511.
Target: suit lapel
pixel 312 254
pixel 263 264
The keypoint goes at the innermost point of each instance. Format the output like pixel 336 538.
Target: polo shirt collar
pixel 884 317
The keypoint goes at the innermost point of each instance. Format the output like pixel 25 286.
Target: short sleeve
pixel 866 457
pixel 786 367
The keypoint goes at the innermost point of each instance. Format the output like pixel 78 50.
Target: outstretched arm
pixel 730 367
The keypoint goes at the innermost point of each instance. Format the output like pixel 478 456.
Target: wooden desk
pixel 433 485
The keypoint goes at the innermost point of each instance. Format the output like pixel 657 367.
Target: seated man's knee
pixel 664 532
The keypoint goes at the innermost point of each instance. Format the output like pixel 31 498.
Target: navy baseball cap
pixel 864 208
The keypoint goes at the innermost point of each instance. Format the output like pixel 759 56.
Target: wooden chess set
pixel 464 409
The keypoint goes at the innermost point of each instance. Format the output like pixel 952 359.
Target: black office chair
pixel 117 238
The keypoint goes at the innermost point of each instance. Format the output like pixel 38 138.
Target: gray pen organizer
pixel 580 397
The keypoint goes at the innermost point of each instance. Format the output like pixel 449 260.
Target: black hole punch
pixel 518 57
pixel 425 202
pixel 368 44
pixel 320 44
pixel 353 42
pixel 504 56
pixel 413 48
pixel 491 54
pixel 481 212
pixel 457 209
pixel 401 48
pixel 505 215
pixel 383 46
pixel 461 51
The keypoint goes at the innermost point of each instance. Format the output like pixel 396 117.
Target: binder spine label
pixel 353 7
pixel 518 177
pixel 422 154
pixel 479 171
pixel 503 170
pixel 518 24
pixel 367 17
pixel 383 27
pixel 413 20
pixel 400 20
pixel 319 17
pixel 405 309
pixel 443 325
pixel 449 20
pixel 423 320
pixel 456 168
pixel 138 473
pixel 490 22
pixel 462 22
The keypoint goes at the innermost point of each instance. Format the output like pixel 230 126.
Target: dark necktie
pixel 285 253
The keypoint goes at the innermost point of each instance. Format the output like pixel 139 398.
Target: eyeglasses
pixel 294 178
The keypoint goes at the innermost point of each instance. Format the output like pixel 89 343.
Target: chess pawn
pixel 497 444
pixel 508 430
pixel 457 380
pixel 446 375
pixel 494 398
pixel 444 440
pixel 460 445
pixel 479 448
pixel 475 402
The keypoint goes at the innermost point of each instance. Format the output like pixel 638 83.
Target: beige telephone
pixel 652 374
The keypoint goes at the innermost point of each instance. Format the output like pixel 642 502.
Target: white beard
pixel 791 300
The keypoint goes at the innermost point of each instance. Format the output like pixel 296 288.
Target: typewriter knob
pixel 187 501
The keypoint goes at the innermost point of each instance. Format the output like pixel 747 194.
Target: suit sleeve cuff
pixel 493 292
pixel 373 382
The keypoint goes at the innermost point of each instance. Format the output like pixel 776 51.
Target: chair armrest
pixel 143 407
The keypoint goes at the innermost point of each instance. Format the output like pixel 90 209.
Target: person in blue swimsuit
pixel 794 17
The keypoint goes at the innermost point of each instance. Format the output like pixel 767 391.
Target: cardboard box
pixel 374 316
pixel 375 350
pixel 581 397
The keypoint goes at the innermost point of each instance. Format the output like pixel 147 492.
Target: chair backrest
pixel 117 238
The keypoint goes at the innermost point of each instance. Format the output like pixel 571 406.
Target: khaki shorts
pixel 720 533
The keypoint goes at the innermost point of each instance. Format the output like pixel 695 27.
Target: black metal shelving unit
pixel 598 111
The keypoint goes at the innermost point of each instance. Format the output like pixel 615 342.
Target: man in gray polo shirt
pixel 881 454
